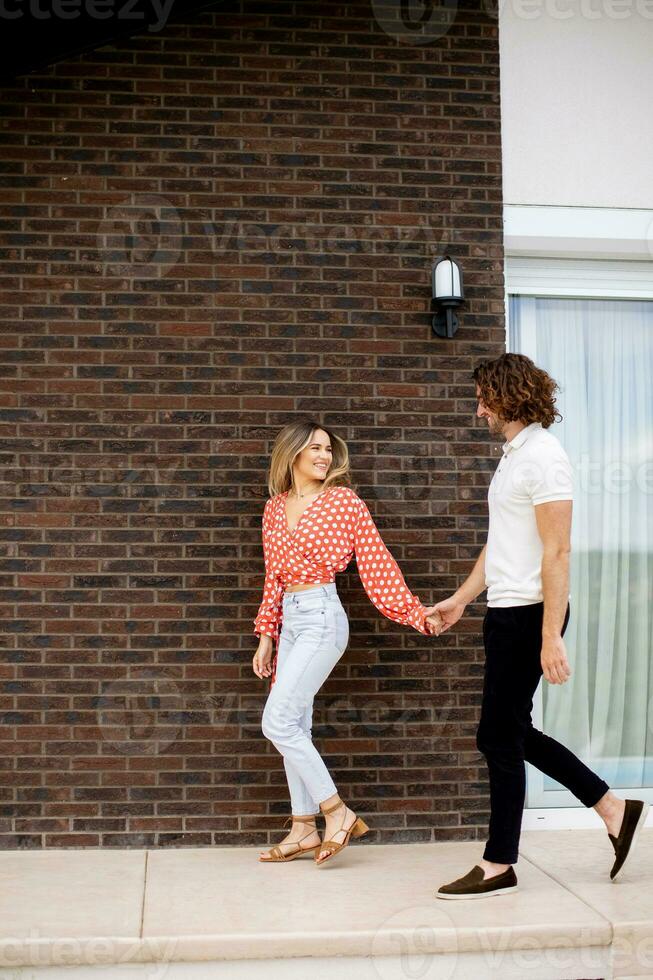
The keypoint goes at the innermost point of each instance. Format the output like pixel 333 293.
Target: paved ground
pixel 218 912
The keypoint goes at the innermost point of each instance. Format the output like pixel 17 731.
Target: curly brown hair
pixel 517 390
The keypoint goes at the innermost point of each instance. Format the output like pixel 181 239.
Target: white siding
pixel 576 94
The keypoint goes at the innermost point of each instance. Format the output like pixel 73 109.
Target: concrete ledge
pixel 573 964
pixel 89 913
pixel 627 904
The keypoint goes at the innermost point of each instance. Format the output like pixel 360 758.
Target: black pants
pixel 506 736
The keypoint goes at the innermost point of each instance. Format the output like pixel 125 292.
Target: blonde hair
pixel 289 443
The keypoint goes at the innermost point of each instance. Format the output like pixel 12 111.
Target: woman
pixel 312 525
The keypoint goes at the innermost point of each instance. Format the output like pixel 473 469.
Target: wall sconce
pixel 447 288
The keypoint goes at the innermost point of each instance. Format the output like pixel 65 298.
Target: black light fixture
pixel 447 289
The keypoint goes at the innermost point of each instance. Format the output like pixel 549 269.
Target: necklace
pixel 298 495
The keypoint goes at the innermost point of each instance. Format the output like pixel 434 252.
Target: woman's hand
pixel 433 623
pixel 262 660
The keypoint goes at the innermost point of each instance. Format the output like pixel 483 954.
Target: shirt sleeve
pixel 268 618
pixel 381 576
pixel 549 478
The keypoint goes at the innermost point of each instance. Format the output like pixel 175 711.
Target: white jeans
pixel 314 636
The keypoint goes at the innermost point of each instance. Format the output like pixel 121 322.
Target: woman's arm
pixel 268 618
pixel 381 576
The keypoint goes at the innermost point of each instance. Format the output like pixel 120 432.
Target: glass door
pixel 600 351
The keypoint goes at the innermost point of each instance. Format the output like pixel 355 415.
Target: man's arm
pixel 450 610
pixel 554 527
pixel 474 584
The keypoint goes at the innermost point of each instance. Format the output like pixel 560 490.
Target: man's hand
pixel 433 623
pixel 555 665
pixel 449 610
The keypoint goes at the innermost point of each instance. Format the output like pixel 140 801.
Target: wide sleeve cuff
pixel 267 627
pixel 417 618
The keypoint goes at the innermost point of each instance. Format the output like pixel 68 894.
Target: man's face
pixel 494 423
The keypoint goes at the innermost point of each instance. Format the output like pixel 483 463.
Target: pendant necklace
pixel 297 495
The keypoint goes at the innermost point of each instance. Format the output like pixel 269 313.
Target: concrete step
pixel 372 913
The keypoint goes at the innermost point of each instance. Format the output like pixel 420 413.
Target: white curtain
pixel 601 354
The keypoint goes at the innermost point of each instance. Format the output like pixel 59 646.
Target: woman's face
pixel 315 459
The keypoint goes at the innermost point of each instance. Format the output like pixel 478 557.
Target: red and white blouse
pixel 334 527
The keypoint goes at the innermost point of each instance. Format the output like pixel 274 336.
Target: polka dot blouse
pixel 334 527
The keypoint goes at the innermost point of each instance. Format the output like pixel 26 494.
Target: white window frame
pixel 590 253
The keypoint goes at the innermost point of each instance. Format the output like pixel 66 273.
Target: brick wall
pixel 207 231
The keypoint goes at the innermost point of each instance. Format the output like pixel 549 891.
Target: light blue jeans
pixel 314 636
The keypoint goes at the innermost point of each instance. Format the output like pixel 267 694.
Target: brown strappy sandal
pixel 278 855
pixel 357 829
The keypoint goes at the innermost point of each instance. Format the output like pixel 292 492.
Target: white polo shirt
pixel 534 469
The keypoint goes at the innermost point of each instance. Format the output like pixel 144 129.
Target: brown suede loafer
pixel 474 885
pixel 624 845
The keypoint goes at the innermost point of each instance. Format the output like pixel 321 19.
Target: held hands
pixel 443 615
pixel 433 622
pixel 553 658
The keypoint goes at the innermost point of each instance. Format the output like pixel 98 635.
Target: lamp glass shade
pixel 447 280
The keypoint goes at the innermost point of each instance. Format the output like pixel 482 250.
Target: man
pixel 525 567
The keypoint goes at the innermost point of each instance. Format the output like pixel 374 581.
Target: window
pixel 600 350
